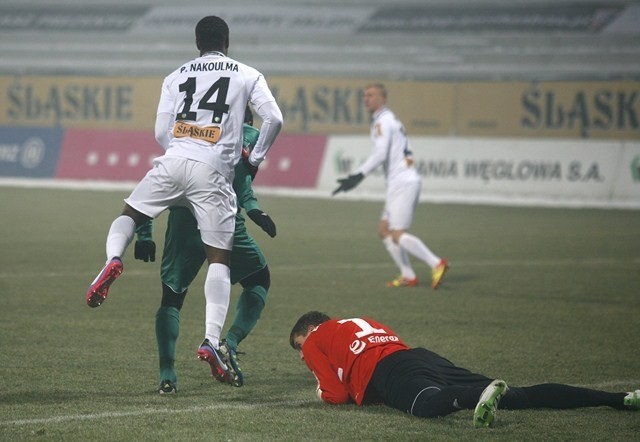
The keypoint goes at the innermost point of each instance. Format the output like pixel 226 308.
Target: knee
pixel 383 229
pixel 138 217
pixel 171 298
pixel 261 278
pixel 396 234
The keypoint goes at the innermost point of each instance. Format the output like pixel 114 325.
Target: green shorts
pixel 183 253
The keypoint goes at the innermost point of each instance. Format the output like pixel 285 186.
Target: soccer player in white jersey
pixel 199 122
pixel 391 150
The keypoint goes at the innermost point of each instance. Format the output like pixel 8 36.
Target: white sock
pixel 121 233
pixel 217 292
pixel 417 248
pixel 400 257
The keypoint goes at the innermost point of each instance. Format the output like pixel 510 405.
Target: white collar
pixel 213 53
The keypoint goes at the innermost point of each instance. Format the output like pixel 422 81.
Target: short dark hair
pixel 212 33
pixel 313 318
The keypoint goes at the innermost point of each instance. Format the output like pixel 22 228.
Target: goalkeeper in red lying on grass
pixel 363 361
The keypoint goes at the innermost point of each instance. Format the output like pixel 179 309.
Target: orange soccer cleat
pixel 403 282
pixel 438 273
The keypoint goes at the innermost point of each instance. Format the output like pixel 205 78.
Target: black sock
pixel 559 396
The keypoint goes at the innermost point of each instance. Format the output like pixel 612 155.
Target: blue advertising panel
pixel 29 152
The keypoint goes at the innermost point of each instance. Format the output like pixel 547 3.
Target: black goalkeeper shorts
pixel 401 376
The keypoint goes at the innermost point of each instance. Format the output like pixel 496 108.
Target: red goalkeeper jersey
pixel 343 354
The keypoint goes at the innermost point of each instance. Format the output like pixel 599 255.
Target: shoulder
pixel 386 115
pixel 245 68
pixel 388 119
pixel 182 68
pixel 326 328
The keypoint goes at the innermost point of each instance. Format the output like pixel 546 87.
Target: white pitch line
pixel 134 413
pixel 634 383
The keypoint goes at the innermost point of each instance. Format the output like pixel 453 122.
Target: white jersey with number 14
pixel 207 97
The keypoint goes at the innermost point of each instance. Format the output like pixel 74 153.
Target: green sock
pixel 248 310
pixel 167 330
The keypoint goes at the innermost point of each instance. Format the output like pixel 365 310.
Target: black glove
pixel 348 183
pixel 145 251
pixel 253 170
pixel 263 220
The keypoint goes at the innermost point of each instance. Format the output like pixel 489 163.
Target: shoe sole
pixel 236 373
pixel 485 412
pixel 233 366
pixel 632 400
pixel 162 392
pixel 219 373
pixel 99 290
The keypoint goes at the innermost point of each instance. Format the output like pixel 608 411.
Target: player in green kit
pixel 182 258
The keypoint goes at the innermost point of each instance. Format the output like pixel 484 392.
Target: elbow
pixel 335 399
pixel 163 139
pixel 273 117
pixel 276 121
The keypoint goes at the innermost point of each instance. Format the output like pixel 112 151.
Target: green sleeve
pixel 145 231
pixel 243 189
pixel 249 136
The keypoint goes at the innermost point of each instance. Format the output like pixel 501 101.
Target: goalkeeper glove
pixel 263 220
pixel 348 183
pixel 145 251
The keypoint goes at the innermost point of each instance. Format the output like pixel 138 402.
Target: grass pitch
pixel 533 295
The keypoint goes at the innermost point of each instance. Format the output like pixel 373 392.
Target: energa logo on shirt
pixel 357 347
pixel 369 333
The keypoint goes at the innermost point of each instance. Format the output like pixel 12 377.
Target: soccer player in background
pixel 391 150
pixel 199 122
pixel 363 361
pixel 182 258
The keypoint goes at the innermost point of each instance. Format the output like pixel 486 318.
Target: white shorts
pixel 400 204
pixel 176 181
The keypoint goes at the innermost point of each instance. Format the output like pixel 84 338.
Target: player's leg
pixel 419 382
pixel 217 291
pixel 250 305
pixel 403 202
pixel 214 206
pixel 249 268
pixel 120 235
pixel 182 258
pixel 407 277
pixel 248 310
pixel 151 196
pixel 167 332
pixel 560 396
